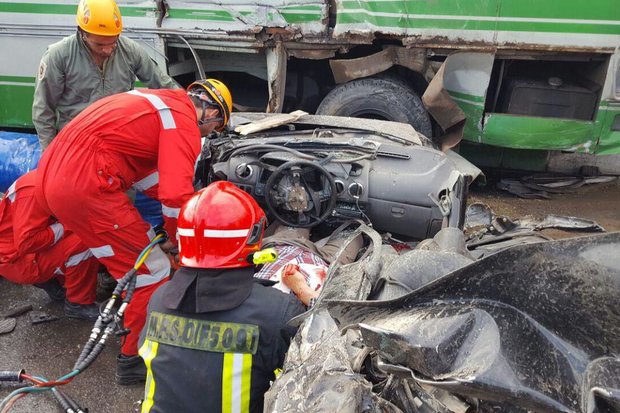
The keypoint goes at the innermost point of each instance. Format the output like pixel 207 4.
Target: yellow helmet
pixel 218 94
pixel 100 17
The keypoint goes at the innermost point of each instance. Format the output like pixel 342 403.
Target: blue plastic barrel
pixel 149 208
pixel 19 153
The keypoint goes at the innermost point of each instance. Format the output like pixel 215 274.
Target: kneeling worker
pixel 214 334
pixel 36 249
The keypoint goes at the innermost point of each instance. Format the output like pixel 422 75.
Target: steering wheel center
pixel 301 193
pixel 298 199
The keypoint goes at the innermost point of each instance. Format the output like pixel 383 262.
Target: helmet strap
pixel 206 103
pixel 256 232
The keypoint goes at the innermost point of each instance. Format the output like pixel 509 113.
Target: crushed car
pixel 531 328
pixel 419 322
pixel 318 171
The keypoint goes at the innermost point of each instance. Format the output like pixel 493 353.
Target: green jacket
pixel 68 81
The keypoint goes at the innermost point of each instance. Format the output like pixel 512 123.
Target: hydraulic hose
pixel 103 326
pixel 12 375
pixel 92 348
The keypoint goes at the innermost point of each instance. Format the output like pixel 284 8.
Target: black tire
pixel 376 98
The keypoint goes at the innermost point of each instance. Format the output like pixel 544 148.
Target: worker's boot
pixel 130 370
pixel 53 289
pixel 82 311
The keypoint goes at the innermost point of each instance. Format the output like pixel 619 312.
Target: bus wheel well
pixel 378 98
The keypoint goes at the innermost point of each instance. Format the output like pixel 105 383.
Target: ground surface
pixel 598 202
pixel 51 349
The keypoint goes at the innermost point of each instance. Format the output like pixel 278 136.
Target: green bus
pixel 538 81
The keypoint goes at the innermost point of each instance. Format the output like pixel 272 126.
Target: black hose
pixel 91 341
pixel 6 375
pixel 76 407
pixel 105 319
pixel 62 400
pixel 120 286
pixel 131 287
pixel 92 355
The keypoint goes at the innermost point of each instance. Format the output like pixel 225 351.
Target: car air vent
pixel 356 190
pixel 244 171
pixel 339 186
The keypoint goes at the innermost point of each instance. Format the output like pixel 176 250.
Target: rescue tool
pixel 108 322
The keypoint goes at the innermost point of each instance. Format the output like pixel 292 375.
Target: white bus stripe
pixel 479 18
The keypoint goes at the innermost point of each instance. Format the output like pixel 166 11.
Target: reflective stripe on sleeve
pixel 148 352
pixel 58 230
pixel 11 192
pixel 169 211
pixel 158 266
pixel 167 120
pixel 78 258
pixel 147 182
pixel 236 382
pixel 103 252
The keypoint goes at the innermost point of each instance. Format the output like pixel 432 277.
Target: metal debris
pixel 521 190
pixel 7 325
pixel 38 317
pixel 477 215
pixel 18 311
pixel 496 330
pixel 560 222
pixel 543 186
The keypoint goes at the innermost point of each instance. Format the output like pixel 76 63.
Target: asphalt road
pixel 50 350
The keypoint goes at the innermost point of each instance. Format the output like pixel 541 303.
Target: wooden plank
pixel 270 122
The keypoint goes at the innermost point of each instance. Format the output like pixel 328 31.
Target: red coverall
pixel 147 139
pixel 34 247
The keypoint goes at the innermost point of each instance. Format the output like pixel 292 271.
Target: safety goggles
pixel 207 103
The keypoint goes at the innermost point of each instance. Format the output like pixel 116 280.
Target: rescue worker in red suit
pixel 36 249
pixel 215 333
pixel 148 139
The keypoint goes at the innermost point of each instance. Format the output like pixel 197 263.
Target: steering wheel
pixel 293 197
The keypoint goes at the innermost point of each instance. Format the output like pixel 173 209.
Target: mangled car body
pixel 424 327
pixel 325 170
pixel 530 328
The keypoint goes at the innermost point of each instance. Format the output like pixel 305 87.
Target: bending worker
pixel 93 63
pixel 215 334
pixel 36 249
pixel 147 139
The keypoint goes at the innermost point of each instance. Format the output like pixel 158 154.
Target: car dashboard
pixel 328 175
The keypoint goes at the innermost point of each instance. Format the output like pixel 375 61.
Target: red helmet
pixel 219 226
